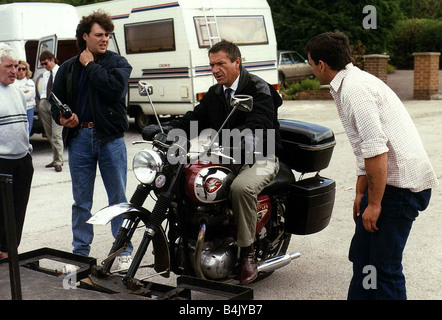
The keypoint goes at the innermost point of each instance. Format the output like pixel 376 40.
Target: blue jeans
pixel 382 250
pixel 84 154
pixel 30 116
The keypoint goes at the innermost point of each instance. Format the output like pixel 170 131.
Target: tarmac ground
pixel 323 271
pixel 401 81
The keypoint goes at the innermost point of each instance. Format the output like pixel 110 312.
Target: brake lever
pixel 140 142
pixel 220 154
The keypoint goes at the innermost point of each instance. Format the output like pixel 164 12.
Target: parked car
pixel 292 66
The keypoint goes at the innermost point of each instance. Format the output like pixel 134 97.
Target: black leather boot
pixel 249 266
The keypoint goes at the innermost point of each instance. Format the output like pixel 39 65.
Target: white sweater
pixel 14 132
pixel 28 87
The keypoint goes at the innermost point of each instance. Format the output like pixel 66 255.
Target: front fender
pixel 160 244
pixel 103 216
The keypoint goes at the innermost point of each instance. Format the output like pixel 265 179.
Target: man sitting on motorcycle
pixel 232 78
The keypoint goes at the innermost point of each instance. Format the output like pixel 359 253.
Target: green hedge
pixel 415 35
pixel 289 92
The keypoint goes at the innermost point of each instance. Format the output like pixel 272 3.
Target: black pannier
pixel 310 205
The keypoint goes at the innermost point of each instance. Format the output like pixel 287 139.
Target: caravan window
pixel 241 30
pixel 152 36
pixel 45 45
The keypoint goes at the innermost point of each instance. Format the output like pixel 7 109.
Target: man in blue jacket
pixel 94 84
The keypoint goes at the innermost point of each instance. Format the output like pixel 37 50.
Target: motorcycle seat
pixel 282 180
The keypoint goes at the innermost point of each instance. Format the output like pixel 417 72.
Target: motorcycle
pixel 192 227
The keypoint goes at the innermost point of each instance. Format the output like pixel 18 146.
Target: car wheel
pixel 281 80
pixel 142 120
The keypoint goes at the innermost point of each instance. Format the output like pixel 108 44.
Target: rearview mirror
pixel 145 88
pixel 243 102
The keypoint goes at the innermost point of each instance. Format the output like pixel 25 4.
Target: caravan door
pixel 46 43
pixel 62 48
pixel 113 45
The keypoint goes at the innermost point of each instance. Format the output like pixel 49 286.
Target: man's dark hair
pixel 228 47
pixel 85 26
pixel 47 55
pixel 331 47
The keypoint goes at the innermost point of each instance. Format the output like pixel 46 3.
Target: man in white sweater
pixel 15 149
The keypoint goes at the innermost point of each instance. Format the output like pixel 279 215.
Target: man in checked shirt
pixel 395 176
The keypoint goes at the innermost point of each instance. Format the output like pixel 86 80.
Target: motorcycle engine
pixel 207 188
pixel 218 260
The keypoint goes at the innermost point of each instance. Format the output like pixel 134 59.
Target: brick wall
pixel 426 74
pixel 377 64
pixel 322 94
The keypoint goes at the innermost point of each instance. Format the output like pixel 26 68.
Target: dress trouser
pixel 22 171
pixel 53 131
pixel 377 257
pixel 244 193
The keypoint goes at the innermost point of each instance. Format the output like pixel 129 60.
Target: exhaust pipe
pixel 277 262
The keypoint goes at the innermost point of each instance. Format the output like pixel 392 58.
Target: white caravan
pixel 167 42
pixel 30 28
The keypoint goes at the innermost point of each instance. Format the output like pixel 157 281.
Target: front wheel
pixel 122 240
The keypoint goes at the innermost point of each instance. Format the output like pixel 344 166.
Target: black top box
pixel 307 147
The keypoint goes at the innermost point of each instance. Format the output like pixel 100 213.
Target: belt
pixel 87 125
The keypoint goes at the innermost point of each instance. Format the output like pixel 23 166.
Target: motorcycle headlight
pixel 146 164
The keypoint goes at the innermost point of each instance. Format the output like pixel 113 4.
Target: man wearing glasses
pixel 52 129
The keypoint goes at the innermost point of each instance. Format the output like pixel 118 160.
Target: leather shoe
pixel 58 168
pixel 249 266
pixel 50 165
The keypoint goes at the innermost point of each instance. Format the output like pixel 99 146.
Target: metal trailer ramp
pixel 41 282
pixel 41 278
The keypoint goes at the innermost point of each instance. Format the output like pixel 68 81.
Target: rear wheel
pixel 279 249
pixel 276 241
pixel 122 240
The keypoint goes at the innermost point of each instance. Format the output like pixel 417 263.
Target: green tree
pixel 426 9
pixel 298 21
pixel 415 35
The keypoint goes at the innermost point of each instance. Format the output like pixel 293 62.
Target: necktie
pixel 228 94
pixel 49 87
